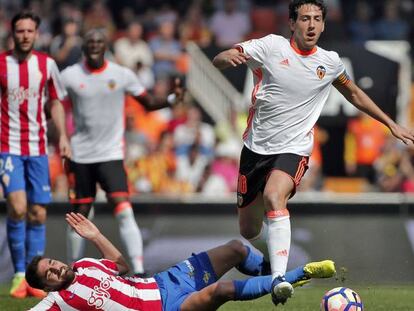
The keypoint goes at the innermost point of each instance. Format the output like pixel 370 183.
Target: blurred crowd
pixel 179 149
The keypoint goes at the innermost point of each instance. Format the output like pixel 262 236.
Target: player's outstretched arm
pixel 151 102
pixel 230 58
pixel 86 229
pixel 363 102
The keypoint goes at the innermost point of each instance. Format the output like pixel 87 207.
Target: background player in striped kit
pixel 97 89
pixel 92 284
pixel 292 83
pixel 28 80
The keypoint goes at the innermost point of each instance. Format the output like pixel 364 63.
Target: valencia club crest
pixel 320 71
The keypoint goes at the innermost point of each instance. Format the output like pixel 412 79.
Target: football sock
pixel 130 235
pixel 75 245
pixel 253 265
pixel 35 241
pixel 16 237
pixel 258 286
pixel 260 241
pixel 278 241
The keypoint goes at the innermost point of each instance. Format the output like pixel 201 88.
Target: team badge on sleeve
pixel 320 71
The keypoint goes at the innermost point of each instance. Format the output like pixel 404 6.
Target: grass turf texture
pixel 378 298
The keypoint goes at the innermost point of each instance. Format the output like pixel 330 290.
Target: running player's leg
pixel 113 179
pixel 14 187
pixel 280 186
pixel 82 191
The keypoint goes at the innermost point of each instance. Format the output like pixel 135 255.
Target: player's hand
pixel 64 147
pixel 405 135
pixel 238 58
pixel 82 225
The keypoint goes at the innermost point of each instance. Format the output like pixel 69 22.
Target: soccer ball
pixel 341 299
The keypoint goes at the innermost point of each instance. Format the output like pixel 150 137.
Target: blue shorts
pixel 183 279
pixel 27 173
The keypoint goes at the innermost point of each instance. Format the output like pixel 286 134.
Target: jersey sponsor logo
pixel 100 293
pixel 321 71
pixel 112 84
pixel 21 94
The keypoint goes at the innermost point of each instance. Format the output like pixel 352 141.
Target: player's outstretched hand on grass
pixel 82 225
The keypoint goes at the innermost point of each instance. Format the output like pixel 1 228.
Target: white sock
pixel 130 235
pixel 278 241
pixel 260 241
pixel 75 244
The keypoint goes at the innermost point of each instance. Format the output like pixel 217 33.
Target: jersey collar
pixel 302 52
pixel 96 71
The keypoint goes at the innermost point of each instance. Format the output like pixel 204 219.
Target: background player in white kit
pixel 97 88
pixel 292 82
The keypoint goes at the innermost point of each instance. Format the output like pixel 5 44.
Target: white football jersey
pixel 291 88
pixel 98 101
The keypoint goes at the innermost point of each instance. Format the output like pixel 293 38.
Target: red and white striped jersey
pixel 97 286
pixel 25 87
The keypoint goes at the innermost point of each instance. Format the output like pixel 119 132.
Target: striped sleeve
pixel 46 304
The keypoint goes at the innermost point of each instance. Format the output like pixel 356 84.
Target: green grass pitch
pixel 375 298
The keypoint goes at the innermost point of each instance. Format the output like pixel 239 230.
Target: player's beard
pixel 68 277
pixel 20 50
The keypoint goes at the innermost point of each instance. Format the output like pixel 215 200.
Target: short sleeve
pixel 133 86
pixel 55 86
pixel 46 304
pixel 258 49
pixel 341 76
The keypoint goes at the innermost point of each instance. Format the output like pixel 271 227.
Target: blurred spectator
pixel 389 176
pixel 135 141
pixel 191 166
pixel 407 169
pixel 42 9
pixel 391 26
pixel 230 25
pixel 194 129
pixel 132 49
pixel 155 171
pixel 166 50
pixel 361 28
pixel 226 165
pixel 363 145
pixel 194 27
pixel 66 48
pixel 98 16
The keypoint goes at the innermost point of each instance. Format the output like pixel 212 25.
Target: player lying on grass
pixel 91 284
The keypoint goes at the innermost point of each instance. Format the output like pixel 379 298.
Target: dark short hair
pixel 296 4
pixel 25 15
pixel 32 277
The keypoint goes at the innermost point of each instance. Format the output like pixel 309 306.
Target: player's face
pixel 24 35
pixel 308 27
pixel 55 274
pixel 95 46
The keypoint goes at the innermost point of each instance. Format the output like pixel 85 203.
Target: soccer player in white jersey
pixel 91 284
pixel 292 81
pixel 97 88
pixel 28 81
